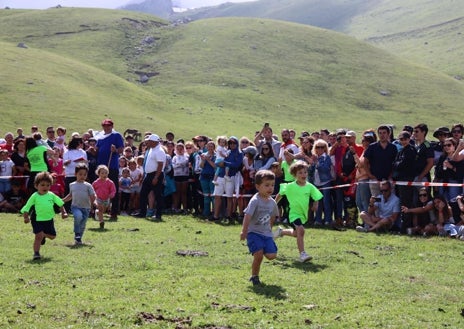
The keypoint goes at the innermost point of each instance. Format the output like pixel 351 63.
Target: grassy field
pixel 215 76
pixel 130 275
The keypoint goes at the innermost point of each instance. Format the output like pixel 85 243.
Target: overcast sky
pixel 43 4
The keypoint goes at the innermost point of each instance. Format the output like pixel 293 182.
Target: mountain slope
pixel 216 75
pixel 423 31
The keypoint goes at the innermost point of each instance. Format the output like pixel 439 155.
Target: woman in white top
pixel 180 165
pixel 71 157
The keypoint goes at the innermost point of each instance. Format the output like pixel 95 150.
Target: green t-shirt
pixel 36 158
pixel 43 205
pixel 288 177
pixel 298 198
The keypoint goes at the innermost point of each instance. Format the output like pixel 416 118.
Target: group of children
pixel 262 211
pixel 40 207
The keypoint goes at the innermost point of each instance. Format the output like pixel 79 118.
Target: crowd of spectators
pixel 380 184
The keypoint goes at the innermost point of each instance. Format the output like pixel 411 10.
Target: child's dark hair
pixel 81 166
pixel 263 175
pixel 296 166
pixel 43 177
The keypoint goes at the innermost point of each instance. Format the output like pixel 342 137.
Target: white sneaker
pixel 304 257
pixel 361 229
pixel 278 232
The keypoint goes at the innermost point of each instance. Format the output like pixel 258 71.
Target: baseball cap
pixel 350 133
pixel 107 122
pixel 152 137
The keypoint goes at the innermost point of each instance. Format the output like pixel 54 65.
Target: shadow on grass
pixel 97 229
pixel 42 260
pixel 269 291
pixel 286 262
pixel 80 246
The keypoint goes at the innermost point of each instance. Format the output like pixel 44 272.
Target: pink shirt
pixel 104 189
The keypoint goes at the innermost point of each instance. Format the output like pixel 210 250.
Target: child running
pixel 43 201
pixel 299 193
pixel 260 215
pixel 105 191
pixel 82 195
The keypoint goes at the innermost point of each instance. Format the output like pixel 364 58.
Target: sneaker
pixel 36 256
pixel 304 257
pixel 78 242
pixel 123 213
pixel 461 238
pixel 102 225
pixel 95 215
pixel 43 241
pixel 150 212
pixel 278 233
pixel 255 280
pixel 361 229
pixel 135 213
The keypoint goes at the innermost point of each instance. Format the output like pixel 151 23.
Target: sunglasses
pixel 188 147
pixel 245 142
pixel 422 195
pixel 384 191
pixel 320 147
pixel 447 145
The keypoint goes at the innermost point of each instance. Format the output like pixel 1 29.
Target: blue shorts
pixel 257 242
pixel 46 226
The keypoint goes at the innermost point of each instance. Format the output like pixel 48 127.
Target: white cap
pixel 153 138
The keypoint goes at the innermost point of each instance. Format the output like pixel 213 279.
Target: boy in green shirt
pixel 299 193
pixel 43 201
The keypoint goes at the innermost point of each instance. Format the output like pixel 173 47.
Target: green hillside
pixel 426 32
pixel 213 76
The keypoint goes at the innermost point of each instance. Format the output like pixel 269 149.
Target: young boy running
pixel 83 196
pixel 298 194
pixel 260 215
pixel 43 200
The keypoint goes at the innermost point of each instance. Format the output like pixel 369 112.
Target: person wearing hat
pixel 247 189
pixel 233 161
pixel 110 145
pixel 153 180
pixel 441 134
pixel 403 170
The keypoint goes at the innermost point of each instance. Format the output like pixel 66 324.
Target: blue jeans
pixel 80 219
pixel 450 192
pixel 326 205
pixel 363 194
pixel 207 187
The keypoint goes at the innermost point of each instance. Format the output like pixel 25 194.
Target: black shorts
pixel 295 223
pixel 181 179
pixel 46 226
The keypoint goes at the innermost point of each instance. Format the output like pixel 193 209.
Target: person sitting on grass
pixel 383 211
pixel 299 193
pixel 14 199
pixel 260 215
pixel 82 195
pixel 43 201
